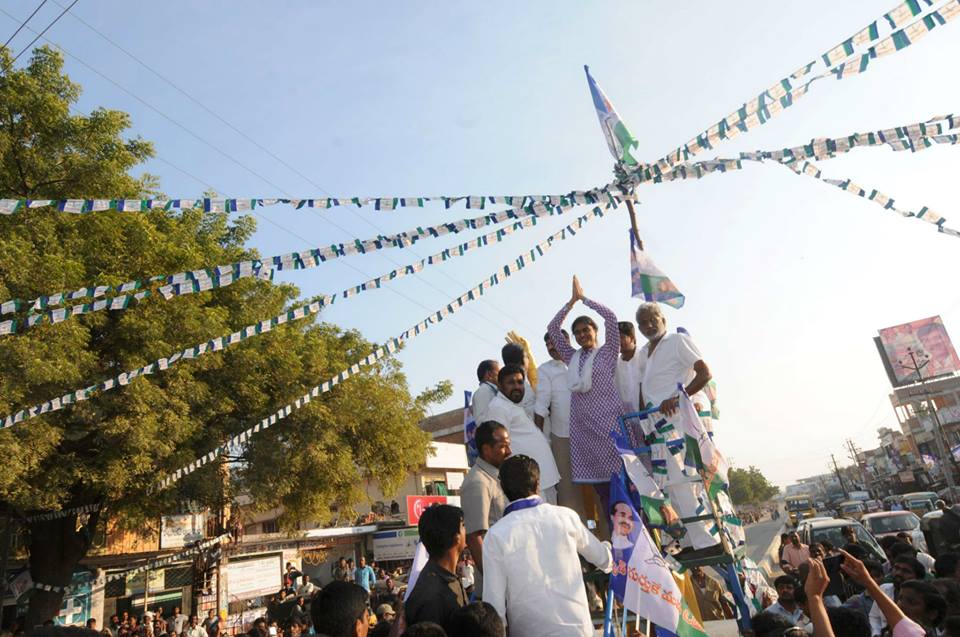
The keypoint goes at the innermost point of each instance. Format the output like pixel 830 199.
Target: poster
pixel 925 338
pixel 254 578
pixel 177 531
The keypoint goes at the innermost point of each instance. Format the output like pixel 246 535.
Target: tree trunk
pixel 56 548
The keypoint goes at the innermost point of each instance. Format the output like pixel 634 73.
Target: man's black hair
pixel 626 329
pixel 424 629
pixel 337 607
pixel 785 579
pixel 767 624
pixel 857 551
pixel 510 370
pixel 479 619
pixel 932 598
pixel 484 433
pixel 919 570
pixel 484 368
pixel 902 548
pixel 847 622
pixel 512 354
pixel 887 541
pixel 439 527
pixel 946 564
pixel 546 337
pixel 519 477
pixel 873 566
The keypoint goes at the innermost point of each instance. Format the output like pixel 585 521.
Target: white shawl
pixel 578 381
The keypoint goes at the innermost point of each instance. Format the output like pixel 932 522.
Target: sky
pixel 787 279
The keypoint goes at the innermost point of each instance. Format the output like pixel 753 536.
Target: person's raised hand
pixel 577 291
pixel 855 569
pixel 513 337
pixel 817 578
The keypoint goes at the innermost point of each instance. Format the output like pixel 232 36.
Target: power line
pixel 280 160
pixel 24 23
pixel 244 166
pixel 40 35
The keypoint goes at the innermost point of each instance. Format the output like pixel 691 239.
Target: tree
pixel 112 449
pixel 749 486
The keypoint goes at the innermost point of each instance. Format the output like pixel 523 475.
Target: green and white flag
pixel 618 137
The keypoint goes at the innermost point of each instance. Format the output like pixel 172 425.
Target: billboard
pixel 417 504
pixel 254 578
pixel 396 544
pixel 926 337
pixel 177 531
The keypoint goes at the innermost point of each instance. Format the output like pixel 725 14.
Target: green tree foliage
pixel 749 486
pixel 112 449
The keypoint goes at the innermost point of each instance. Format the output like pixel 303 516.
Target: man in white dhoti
pixel 487 375
pixel 525 437
pixel 533 575
pixel 667 362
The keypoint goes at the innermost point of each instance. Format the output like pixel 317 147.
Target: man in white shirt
pixel 532 573
pixel 525 438
pixel 515 354
pixel 552 416
pixel 307 588
pixel 487 375
pixel 628 368
pixel 667 362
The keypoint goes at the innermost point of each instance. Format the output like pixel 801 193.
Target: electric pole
pixel 917 366
pixel 855 456
pixel 846 494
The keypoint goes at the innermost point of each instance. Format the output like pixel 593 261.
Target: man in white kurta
pixel 667 362
pixel 628 369
pixel 487 375
pixel 553 418
pixel 506 408
pixel 532 573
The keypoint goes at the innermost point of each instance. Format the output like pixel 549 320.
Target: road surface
pixel 760 536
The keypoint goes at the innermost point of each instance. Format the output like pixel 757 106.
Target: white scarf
pixel 578 381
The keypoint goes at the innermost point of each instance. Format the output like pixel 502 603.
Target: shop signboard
pixel 395 544
pixel 254 577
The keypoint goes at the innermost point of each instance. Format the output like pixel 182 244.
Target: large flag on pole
pixel 647 495
pixel 648 281
pixel 702 453
pixel 640 576
pixel 619 139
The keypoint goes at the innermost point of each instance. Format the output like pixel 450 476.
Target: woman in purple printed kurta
pixel 593 413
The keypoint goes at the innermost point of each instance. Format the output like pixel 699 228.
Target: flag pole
pixel 633 222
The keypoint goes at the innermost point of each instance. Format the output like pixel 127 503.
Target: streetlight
pixel 919 360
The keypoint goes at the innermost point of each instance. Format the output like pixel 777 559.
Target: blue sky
pixel 787 279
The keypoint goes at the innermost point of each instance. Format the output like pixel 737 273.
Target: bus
pixel 800 507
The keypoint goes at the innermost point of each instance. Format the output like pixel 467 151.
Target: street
pixel 760 536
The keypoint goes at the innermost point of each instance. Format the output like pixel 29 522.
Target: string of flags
pixel 496 278
pixel 149 566
pixel 220 276
pixel 785 93
pixel 266 325
pixel 233 204
pixel 56 515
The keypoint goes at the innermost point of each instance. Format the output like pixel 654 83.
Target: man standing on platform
pixel 668 362
pixel 480 494
pixel 487 375
pixel 525 437
pixel 553 418
pixel 628 368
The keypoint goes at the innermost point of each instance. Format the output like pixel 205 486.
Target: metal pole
pixel 938 429
pixel 843 486
pixel 633 222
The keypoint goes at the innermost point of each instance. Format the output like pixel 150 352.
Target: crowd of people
pixel 854 595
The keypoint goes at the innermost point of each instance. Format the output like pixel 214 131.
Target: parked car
pixel 920 502
pixel 873 506
pixel 887 523
pixel 812 531
pixel 851 509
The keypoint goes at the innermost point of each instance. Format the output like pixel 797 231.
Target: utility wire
pixel 40 35
pixel 24 23
pixel 241 165
pixel 285 164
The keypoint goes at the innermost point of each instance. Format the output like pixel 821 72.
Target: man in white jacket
pixel 532 574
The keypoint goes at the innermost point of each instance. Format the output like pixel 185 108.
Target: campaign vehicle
pixel 830 530
pixel 799 507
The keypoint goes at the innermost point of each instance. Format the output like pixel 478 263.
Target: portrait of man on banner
pixel 625 524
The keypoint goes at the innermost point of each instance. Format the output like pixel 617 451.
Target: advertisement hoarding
pixel 177 531
pixel 254 578
pixel 417 504
pixel 925 338
pixel 396 544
